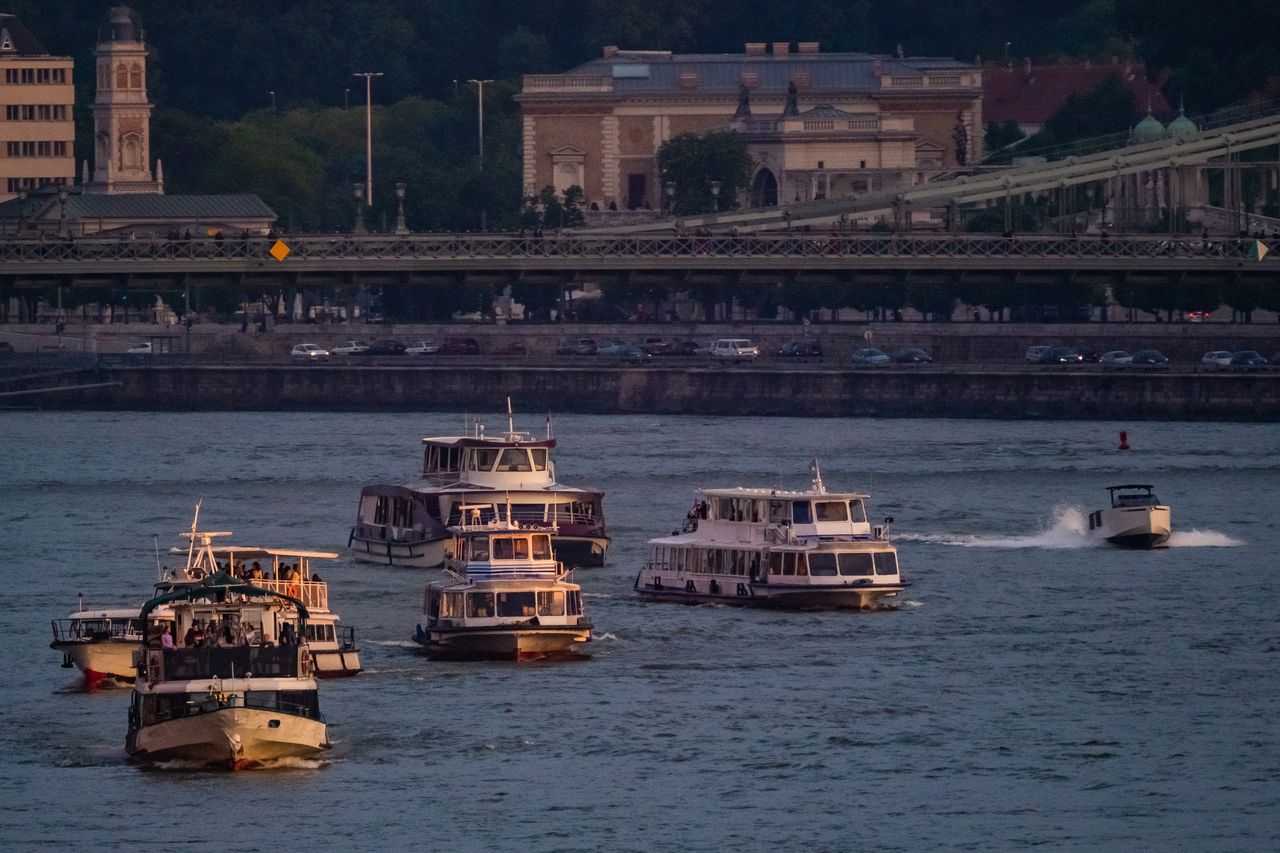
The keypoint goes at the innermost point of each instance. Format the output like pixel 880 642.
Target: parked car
pixel 1150 358
pixel 869 357
pixel 1115 358
pixel 1248 360
pixel 609 349
pixel 800 349
pixel 912 355
pixel 350 348
pixel 139 349
pixel 386 346
pixel 458 345
pixel 626 352
pixel 309 353
pixel 1217 358
pixel 656 346
pixel 421 348
pixel 1061 355
pixel 1034 353
pixel 687 348
pixel 509 348
pixel 734 348
pixel 1088 355
pixel 577 346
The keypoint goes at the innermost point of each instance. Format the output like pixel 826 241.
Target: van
pixel 735 348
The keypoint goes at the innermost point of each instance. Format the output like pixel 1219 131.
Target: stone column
pixel 610 148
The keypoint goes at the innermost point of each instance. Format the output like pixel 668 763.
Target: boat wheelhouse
pixel 510 477
pixel 1135 519
pixel 504 597
pixel 809 549
pixel 232 686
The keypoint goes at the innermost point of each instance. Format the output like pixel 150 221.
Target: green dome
pixel 1181 126
pixel 1148 130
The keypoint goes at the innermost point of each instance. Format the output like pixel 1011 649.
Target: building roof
pixel 660 71
pixel 17 40
pixel 147 206
pixel 122 25
pixel 1149 129
pixel 825 111
pixel 1031 94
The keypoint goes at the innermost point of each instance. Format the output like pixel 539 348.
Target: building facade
pixel 122 112
pixel 816 124
pixel 37 130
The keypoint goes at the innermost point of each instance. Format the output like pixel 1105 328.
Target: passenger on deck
pixel 193 636
pixel 166 639
pixel 255 573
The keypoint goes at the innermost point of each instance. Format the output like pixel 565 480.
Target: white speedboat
pixel 511 477
pixel 810 549
pixel 103 647
pixel 236 689
pixel 1135 519
pixel 504 597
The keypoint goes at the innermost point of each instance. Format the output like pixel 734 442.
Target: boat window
pixel 451 605
pixel 886 563
pixel 822 565
pixel 517 604
pixel 856 564
pixel 800 513
pixel 479 604
pixel 542 547
pixel 775 563
pixel 433 603
pixel 483 459
pixel 575 603
pixel 551 604
pixel 528 512
pixel 832 510
pixel 502 549
pixel 857 512
pixel 789 563
pixel 779 511
pixel 522 548
pixel 515 459
pixel 380 510
pixel 539 458
pixel 479 548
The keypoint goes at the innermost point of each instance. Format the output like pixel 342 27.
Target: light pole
pixel 346 99
pixel 272 93
pixel 671 198
pixel 358 190
pixel 480 103
pixel 368 132
pixel 401 227
pixel 715 195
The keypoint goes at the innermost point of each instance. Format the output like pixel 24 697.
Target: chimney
pixel 781 48
pixel 807 47
pixel 755 48
pixel 610 51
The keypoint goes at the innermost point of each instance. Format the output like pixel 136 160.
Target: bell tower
pixel 121 110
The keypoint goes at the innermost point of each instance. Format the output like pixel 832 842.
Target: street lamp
pixel 358 190
pixel 480 103
pixel 346 99
pixel 401 227
pixel 62 219
pixel 671 197
pixel 715 195
pixel 368 132
pixel 272 93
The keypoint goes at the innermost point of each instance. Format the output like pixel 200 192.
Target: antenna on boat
pixel 817 477
pixel 191 545
pixel 548 426
pixel 155 541
pixel 511 424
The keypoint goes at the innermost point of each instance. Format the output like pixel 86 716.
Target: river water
pixel 1030 691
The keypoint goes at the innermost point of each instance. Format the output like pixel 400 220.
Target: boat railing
pixel 314 594
pixel 234 662
pixel 87 630
pixel 216 701
pixel 533 518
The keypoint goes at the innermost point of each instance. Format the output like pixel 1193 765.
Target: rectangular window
pixel 28 75
pixel 855 565
pixel 28 112
pixel 539 458
pixel 480 548
pixel 822 565
pixel 479 605
pixel 886 563
pixel 800 513
pixel 515 459
pixel 542 547
pixel 59 75
pixel 775 563
pixel 451 605
pixel 832 510
pixel 11 76
pixel 12 149
pixel 522 548
pixel 44 149
pixel 857 512
pixel 502 549
pixel 60 149
pixel 517 604
pixel 789 563
pixel 11 112
pixel 42 75
pixel 551 604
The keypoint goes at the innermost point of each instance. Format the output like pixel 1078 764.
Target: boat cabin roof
pixel 510 439
pixel 1136 486
pixel 782 494
pixel 251 552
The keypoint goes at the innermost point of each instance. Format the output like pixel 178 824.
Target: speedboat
pixel 806 549
pixel 102 643
pixel 1135 519
pixel 504 597
pixel 510 477
pixel 231 685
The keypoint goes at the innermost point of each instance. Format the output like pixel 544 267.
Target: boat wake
pixel 395 644
pixel 1069 529
pixel 605 636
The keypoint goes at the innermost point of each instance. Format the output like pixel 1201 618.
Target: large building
pixel 122 111
pixel 37 132
pixel 816 124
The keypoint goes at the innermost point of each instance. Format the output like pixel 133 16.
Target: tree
pixel 693 162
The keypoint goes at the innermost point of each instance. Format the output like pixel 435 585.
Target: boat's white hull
pixel 335 663
pixel 101 662
pixel 233 738
pixel 505 643
pixel 1132 527
pixel 426 554
pixel 742 593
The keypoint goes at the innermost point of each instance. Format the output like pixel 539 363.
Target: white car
pixel 734 348
pixel 1217 358
pixel 350 348
pixel 309 352
pixel 422 348
pixel 145 349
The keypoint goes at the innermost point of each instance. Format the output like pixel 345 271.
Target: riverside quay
pixel 810 255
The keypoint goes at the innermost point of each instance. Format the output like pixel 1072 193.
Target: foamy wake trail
pixel 1202 539
pixel 1068 530
pixel 399 644
pixel 605 636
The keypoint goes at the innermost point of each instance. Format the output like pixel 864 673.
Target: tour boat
pixel 510 477
pixel 1135 519
pixel 504 597
pixel 244 696
pixel 810 549
pixel 103 646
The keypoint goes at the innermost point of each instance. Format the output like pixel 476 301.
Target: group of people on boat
pixel 226 634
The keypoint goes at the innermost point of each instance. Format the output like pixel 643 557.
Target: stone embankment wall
pixel 674 390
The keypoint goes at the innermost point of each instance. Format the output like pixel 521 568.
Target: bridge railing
pixel 443 247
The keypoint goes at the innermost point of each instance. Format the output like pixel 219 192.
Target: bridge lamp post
pixel 368 133
pixel 401 227
pixel 484 225
pixel 357 189
pixel 671 197
pixel 272 93
pixel 715 195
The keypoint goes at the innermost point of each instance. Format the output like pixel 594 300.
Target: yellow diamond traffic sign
pixel 279 250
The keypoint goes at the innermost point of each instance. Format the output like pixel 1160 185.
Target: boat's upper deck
pixel 502 550
pixel 774 516
pixel 510 460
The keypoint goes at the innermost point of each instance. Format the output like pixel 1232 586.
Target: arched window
pixel 122 76
pixel 131 151
pixel 135 76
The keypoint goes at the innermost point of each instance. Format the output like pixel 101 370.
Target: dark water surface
pixel 1030 691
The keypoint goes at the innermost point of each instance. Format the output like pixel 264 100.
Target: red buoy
pixel 1124 440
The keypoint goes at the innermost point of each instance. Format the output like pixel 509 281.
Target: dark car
pixel 686 348
pixel 385 346
pixel 1061 355
pixel 577 346
pixel 1088 355
pixel 625 352
pixel 509 348
pixel 656 346
pixel 800 349
pixel 456 345
pixel 1150 358
pixel 1248 360
pixel 912 355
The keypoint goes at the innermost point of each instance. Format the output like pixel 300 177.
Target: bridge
pixel 160 264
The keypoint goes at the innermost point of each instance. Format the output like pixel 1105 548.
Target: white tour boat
pixel 1135 519
pixel 510 476
pixel 236 688
pixel 775 548
pixel 102 647
pixel 504 597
